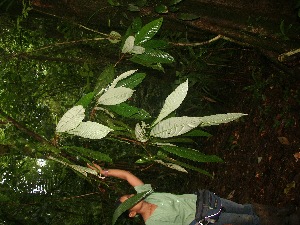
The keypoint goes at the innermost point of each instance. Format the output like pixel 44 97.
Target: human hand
pixel 98 169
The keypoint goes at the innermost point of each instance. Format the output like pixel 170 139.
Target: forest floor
pixel 261 151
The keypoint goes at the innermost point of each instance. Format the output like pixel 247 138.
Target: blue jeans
pixel 237 214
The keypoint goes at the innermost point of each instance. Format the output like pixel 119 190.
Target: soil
pixel 261 151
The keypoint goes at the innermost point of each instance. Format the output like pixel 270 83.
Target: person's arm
pixel 122 174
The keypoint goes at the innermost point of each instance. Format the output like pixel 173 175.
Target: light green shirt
pixel 171 209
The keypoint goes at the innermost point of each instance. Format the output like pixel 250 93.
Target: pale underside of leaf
pixel 114 96
pixel 173 101
pixel 71 119
pixel 174 126
pixel 128 45
pixel 121 77
pixel 172 166
pixel 219 118
pixel 140 132
pixel 91 130
pixel 83 170
pixel 137 50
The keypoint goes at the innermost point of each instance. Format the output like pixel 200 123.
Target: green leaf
pixel 121 77
pixel 129 203
pixel 161 9
pixel 114 37
pixel 187 16
pixel 151 56
pixel 155 44
pixel 148 31
pixel 174 2
pixel 173 101
pixel 136 25
pixel 176 140
pixel 282 27
pixel 185 165
pixel 133 8
pixel 114 2
pixel 4 198
pixel 128 111
pixel 95 155
pixel 192 154
pixel 105 78
pixel 199 133
pixel 132 81
pixel 86 99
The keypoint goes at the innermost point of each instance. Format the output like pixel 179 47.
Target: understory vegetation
pixel 141 97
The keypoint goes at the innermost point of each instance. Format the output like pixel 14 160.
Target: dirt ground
pixel 260 152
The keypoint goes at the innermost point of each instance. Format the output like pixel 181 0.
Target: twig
pixel 283 57
pixel 66 43
pixel 24 128
pixel 200 43
pixel 77 24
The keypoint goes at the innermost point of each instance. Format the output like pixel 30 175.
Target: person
pixel 166 208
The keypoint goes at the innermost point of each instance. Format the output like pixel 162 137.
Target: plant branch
pixel 198 44
pixel 66 43
pixel 283 57
pixel 24 128
pixel 77 24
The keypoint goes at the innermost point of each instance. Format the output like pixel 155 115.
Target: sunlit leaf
pixel 121 77
pixel 83 170
pixel 173 101
pixel 153 56
pixel 131 81
pixel 128 45
pixel 129 203
pixel 172 166
pixel 163 156
pixel 71 119
pixel 148 31
pixel 114 37
pixel 219 118
pixel 91 130
pixel 114 96
pixel 137 50
pixel 174 126
pixel 140 132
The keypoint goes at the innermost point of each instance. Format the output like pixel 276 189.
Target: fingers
pixel 94 167
pixel 97 167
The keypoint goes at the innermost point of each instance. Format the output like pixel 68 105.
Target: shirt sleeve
pixel 142 188
pixel 159 223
